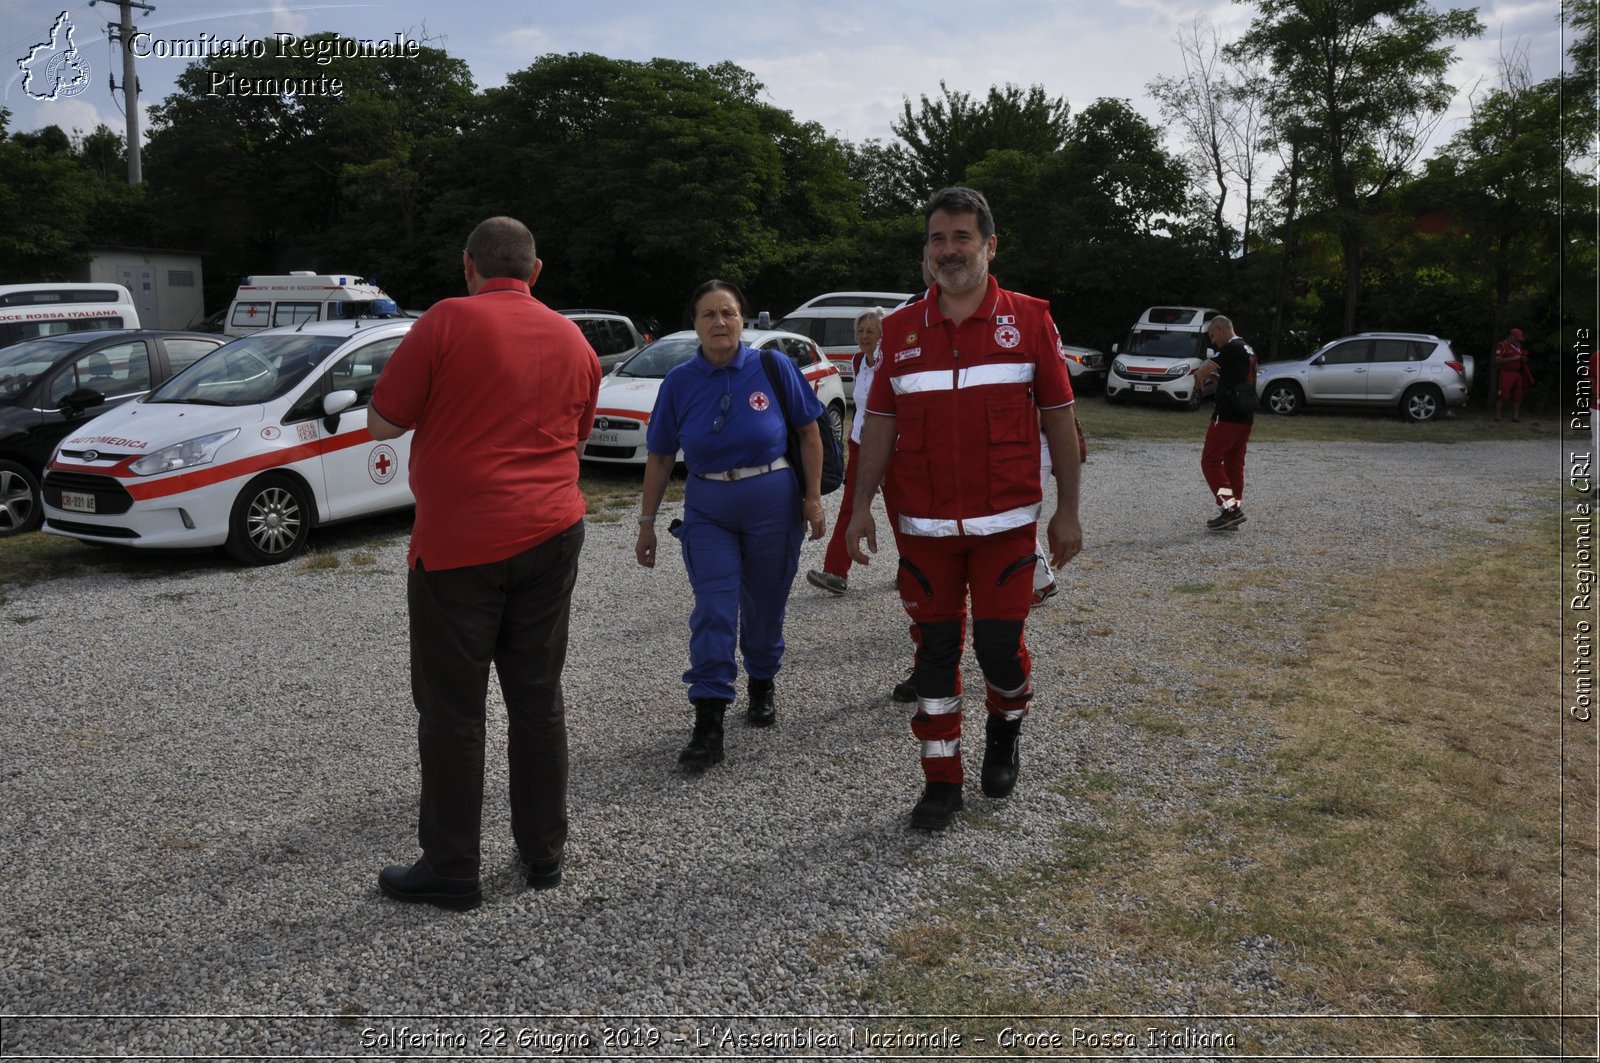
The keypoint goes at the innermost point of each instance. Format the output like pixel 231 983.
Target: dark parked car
pixel 51 385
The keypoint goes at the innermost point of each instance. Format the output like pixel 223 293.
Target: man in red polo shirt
pixel 501 392
pixel 967 378
pixel 1511 362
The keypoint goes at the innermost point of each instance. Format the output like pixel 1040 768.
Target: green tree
pixel 268 181
pixel 1368 78
pixel 61 197
pixel 942 139
pixel 1097 226
pixel 642 179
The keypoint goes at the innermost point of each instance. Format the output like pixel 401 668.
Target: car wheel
pixel 1284 399
pixel 20 508
pixel 836 422
pixel 271 521
pixel 1421 403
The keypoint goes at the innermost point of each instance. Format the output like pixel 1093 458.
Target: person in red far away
pixel 1515 377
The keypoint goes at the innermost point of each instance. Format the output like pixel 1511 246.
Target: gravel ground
pixel 206 768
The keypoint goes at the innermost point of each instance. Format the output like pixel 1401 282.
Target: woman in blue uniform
pixel 743 515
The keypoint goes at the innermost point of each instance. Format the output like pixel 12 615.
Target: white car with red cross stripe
pixel 249 448
pixel 628 393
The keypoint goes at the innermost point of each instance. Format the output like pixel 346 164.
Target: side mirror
pixel 333 405
pixel 80 400
pixel 1320 359
pixel 764 320
pixel 1116 348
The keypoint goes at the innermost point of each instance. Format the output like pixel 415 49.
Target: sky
pixel 845 64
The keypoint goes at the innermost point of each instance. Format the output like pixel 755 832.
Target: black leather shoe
pixel 417 885
pixel 543 874
pixel 905 691
pixel 1001 761
pixel 940 802
pixel 705 744
pixel 763 710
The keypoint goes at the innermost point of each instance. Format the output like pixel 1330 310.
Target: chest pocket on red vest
pixel 911 457
pixel 1013 453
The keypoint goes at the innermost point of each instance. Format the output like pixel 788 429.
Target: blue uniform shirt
pixel 689 412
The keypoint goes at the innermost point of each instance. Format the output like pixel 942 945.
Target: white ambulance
pixel 274 301
pixel 28 311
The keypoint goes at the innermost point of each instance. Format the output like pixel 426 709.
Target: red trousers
pixel 837 560
pixel 1222 460
pixel 937 574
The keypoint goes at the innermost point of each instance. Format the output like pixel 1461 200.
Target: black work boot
pixel 1000 759
pixel 763 709
pixel 939 804
pixel 705 745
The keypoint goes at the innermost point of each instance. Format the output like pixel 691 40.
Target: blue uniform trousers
pixel 741 548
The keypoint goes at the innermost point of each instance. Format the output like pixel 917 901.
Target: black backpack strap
pixel 767 356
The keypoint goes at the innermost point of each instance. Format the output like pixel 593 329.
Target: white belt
pixel 745 472
pixel 994 523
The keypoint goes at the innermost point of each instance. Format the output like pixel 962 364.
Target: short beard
pixel 968 279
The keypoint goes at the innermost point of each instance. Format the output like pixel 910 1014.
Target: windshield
pixel 1160 344
pixel 248 371
pixel 665 354
pixel 22 364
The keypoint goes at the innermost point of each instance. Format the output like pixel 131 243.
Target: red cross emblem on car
pixel 381 464
pixel 759 401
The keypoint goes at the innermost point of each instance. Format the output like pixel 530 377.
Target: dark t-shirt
pixel 1236 382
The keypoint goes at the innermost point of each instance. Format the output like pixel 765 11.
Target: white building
pixel 167 286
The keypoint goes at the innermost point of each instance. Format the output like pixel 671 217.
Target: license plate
pixel 606 438
pixel 1144 387
pixel 76 502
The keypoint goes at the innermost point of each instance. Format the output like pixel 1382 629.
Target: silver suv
pixel 613 336
pixel 1412 372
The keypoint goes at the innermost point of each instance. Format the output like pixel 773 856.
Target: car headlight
pixel 1120 366
pixel 1178 370
pixel 186 455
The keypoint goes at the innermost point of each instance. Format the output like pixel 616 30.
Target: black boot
pixel 905 691
pixel 763 710
pixel 939 803
pixel 1000 759
pixel 705 745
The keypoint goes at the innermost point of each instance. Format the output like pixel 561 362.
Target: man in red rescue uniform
pixel 967 377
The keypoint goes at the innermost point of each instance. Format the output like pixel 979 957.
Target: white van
pixel 1157 363
pixel 267 302
pixel 28 311
pixel 830 321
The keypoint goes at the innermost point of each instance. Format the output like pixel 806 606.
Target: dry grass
pixel 1403 856
pixel 1104 421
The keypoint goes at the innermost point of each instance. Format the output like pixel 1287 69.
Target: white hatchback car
pixel 628 394
pixel 249 449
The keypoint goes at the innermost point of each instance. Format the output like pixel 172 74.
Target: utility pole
pixel 122 33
